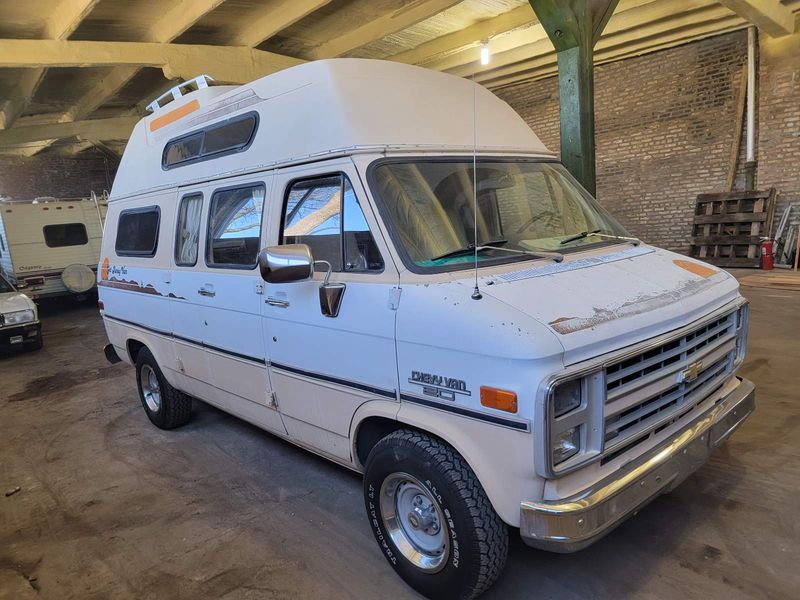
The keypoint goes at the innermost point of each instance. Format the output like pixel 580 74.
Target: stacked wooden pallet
pixel 728 227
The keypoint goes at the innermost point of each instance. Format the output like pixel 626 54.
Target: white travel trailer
pixel 50 247
pixel 335 254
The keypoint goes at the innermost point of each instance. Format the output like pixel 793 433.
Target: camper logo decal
pixel 113 276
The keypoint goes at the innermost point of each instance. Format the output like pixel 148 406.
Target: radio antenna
pixel 476 292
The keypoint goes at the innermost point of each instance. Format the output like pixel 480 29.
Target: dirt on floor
pixel 110 507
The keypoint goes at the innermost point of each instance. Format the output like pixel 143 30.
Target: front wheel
pixel 431 517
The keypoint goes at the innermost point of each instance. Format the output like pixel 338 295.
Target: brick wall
pixel 778 148
pixel 664 128
pixel 50 174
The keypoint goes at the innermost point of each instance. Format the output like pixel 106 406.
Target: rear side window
pixel 234 227
pixel 65 234
pixel 233 135
pixel 137 232
pixel 188 232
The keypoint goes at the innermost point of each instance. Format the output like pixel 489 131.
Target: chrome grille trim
pixel 655 374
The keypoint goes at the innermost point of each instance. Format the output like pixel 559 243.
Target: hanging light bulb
pixel 485 54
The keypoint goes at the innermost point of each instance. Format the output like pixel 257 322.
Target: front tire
pixel 166 407
pixel 431 517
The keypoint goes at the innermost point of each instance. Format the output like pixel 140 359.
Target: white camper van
pixel 50 247
pixel 384 265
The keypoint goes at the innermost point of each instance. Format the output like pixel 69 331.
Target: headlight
pixel 566 444
pixel 19 317
pixel 742 328
pixel 574 422
pixel 567 397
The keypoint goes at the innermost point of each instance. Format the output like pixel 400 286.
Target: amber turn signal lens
pixel 499 399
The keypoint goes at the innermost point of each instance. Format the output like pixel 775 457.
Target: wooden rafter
pixel 58 26
pixel 166 26
pixel 383 25
pixel 769 16
pixel 469 37
pixel 272 18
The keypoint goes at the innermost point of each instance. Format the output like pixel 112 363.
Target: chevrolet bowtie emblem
pixel 691 372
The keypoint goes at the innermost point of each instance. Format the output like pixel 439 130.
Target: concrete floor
pixel 111 507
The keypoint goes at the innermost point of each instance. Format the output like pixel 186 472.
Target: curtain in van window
pixel 188 230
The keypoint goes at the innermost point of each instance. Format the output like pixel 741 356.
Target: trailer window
pixel 137 232
pixel 325 214
pixel 234 135
pixel 188 233
pixel 234 227
pixel 65 234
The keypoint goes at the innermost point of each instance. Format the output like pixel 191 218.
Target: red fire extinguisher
pixel 767 258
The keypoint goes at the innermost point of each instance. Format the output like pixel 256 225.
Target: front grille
pixel 648 392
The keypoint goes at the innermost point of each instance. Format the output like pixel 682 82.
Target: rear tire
pixel 166 407
pixel 431 517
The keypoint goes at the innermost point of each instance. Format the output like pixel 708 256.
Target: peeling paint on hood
pixel 607 305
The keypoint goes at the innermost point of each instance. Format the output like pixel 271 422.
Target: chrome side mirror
pixel 285 264
pixel 330 294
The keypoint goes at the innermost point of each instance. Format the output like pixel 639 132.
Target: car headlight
pixel 742 329
pixel 18 317
pixel 566 444
pixel 567 397
pixel 574 421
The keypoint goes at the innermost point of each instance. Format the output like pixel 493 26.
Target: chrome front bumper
pixel 573 523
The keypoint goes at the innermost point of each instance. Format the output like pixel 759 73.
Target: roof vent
pixel 177 92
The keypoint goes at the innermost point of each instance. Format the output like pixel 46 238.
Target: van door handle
pixel 277 302
pixel 206 292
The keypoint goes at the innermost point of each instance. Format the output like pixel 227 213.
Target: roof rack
pixel 198 83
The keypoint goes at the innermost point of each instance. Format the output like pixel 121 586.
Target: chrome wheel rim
pixel 151 391
pixel 414 521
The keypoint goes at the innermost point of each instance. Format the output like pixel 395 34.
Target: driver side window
pixel 325 214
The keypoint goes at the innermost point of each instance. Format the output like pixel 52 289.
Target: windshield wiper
pixel 556 256
pixel 579 236
pixel 596 233
pixel 470 249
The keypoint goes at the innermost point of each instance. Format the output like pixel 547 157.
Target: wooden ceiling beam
pixel 272 18
pixel 59 25
pixel 631 22
pixel 545 65
pixel 230 64
pixel 117 128
pixel 770 16
pixel 469 37
pixel 522 36
pixel 381 26
pixel 166 26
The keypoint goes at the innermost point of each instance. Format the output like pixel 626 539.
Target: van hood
pixel 14 301
pixel 601 303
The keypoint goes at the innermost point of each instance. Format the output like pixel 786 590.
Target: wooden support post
pixel 797 250
pixel 574 26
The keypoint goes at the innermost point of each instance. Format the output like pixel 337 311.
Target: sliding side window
pixel 234 227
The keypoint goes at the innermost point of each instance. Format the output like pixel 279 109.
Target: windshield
pixel 522 206
pixel 5 286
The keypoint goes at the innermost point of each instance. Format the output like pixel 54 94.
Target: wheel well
pixel 133 349
pixel 371 431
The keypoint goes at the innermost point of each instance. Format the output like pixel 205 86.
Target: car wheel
pixel 431 517
pixel 166 407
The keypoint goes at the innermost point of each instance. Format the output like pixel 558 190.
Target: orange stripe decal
pixel 174 115
pixel 692 267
